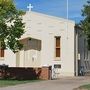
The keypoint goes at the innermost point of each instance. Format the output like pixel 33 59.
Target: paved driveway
pixel 62 84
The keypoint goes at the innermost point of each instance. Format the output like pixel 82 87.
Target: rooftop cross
pixel 30 7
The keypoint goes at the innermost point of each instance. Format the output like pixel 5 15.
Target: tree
pixel 85 23
pixel 11 26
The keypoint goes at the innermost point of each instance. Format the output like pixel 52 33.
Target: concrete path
pixel 67 83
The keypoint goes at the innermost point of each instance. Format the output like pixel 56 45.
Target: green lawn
pixel 85 87
pixel 4 83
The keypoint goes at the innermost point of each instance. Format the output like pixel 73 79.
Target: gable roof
pixel 51 17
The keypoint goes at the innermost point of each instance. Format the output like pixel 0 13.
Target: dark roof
pixel 78 27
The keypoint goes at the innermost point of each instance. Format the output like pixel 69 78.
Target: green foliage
pixel 11 25
pixel 5 83
pixel 85 87
pixel 85 23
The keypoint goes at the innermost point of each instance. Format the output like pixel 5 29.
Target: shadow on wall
pixel 31 44
pixel 20 73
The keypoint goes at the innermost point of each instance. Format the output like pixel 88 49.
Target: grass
pixel 4 83
pixel 87 87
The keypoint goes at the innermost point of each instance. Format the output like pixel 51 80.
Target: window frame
pixel 2 52
pixel 57 47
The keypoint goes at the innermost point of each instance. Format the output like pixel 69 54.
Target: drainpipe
pixel 76 59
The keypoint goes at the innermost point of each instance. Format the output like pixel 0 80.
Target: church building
pixel 49 42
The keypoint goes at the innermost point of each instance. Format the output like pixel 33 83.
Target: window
pixel 84 48
pixel 57 66
pixel 1 52
pixel 57 47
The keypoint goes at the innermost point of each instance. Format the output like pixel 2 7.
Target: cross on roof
pixel 30 7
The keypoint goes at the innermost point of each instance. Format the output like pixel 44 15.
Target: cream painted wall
pixel 9 59
pixel 45 28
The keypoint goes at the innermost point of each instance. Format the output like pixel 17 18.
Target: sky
pixel 56 8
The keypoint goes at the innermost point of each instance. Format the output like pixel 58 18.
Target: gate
pixel 56 71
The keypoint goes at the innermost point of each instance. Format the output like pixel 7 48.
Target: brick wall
pixel 45 74
pixel 26 73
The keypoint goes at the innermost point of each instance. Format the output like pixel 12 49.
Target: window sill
pixel 1 58
pixel 57 59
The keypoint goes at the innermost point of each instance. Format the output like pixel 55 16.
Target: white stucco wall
pixel 45 28
pixel 9 59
